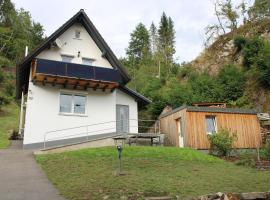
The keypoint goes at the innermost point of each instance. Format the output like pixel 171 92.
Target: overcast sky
pixel 116 19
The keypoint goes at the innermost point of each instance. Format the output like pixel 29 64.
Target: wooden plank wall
pixel 246 126
pixel 168 126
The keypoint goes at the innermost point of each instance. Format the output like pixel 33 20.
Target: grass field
pixel 150 171
pixel 9 119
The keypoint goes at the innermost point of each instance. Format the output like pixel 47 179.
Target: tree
pixel 227 19
pixel 7 13
pixel 260 10
pixel 204 88
pixel 229 14
pixel 17 30
pixel 139 44
pixel 232 83
pixel 166 38
pixel 153 38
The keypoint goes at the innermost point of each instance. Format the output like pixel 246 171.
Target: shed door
pixel 122 119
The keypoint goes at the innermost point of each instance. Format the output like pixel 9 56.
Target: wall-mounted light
pixel 79 53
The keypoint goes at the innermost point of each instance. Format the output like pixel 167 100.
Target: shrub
pixel 221 142
pixel 4 100
pixel 265 151
pixel 239 42
pixel 231 82
pixel 251 51
pixel 246 159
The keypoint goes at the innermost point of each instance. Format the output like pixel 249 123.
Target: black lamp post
pixel 119 150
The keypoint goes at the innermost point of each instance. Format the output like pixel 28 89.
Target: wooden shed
pixel 188 126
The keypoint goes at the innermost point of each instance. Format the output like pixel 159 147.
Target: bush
pixel 247 159
pixel 231 82
pixel 239 42
pixel 251 51
pixel 4 100
pixel 265 151
pixel 221 142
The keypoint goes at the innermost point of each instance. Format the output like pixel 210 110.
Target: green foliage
pixel 256 54
pixel 176 94
pixel 231 81
pixel 4 100
pixel 153 38
pixel 240 42
pixel 204 87
pixel 17 29
pixel 251 51
pixel 263 64
pixel 139 45
pixel 221 142
pixel 241 102
pixel 265 151
pixel 9 119
pixel 260 9
pixel 247 159
pixel 166 39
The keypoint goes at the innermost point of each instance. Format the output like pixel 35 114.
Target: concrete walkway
pixel 21 178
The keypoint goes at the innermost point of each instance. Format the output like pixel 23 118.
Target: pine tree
pixel 139 44
pixel 153 38
pixel 166 38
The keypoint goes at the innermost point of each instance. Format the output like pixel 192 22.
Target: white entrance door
pixel 122 119
pixel 180 133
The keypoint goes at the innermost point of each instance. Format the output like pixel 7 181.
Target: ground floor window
pixel 210 124
pixel 73 103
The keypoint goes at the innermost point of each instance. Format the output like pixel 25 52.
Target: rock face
pixel 235 196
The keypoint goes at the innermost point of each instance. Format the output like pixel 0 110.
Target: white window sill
pixel 73 114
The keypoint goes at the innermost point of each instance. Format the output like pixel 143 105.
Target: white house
pixel 75 89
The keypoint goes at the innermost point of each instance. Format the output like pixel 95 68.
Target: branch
pixel 219 21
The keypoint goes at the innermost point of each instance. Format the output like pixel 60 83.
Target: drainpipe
pixel 21 115
pixel 26 51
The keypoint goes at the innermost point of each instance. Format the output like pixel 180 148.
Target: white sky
pixel 116 19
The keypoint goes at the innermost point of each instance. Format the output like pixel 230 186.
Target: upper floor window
pixel 73 104
pixel 77 34
pixel 210 124
pixel 87 61
pixel 67 58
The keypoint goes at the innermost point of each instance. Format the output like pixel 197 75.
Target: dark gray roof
pixel 142 100
pixel 212 109
pixel 23 68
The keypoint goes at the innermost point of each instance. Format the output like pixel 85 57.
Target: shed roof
pixel 212 109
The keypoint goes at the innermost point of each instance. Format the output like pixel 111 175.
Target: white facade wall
pixel 42 114
pixel 42 111
pixel 71 46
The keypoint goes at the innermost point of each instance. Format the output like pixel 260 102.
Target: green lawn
pixel 9 119
pixel 89 173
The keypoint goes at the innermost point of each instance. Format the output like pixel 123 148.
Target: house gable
pixel 80 48
pixel 23 68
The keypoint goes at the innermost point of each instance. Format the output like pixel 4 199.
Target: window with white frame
pixel 210 124
pixel 67 58
pixel 87 61
pixel 73 103
pixel 77 34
